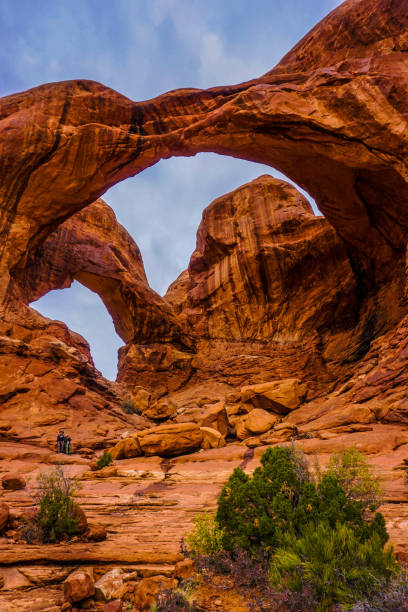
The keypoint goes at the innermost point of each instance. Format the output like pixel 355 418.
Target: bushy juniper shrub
pixel 281 496
pixel 104 460
pixel 324 544
pixel 56 519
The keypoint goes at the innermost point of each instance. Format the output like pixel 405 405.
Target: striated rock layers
pixel 285 325
pixel 271 291
pixel 267 280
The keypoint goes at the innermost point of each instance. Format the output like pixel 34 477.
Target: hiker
pixel 60 442
pixel 67 448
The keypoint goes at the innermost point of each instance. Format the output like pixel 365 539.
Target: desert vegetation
pixel 104 460
pixel 56 515
pixel 290 539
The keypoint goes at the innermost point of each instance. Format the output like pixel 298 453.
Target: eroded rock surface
pixel 272 293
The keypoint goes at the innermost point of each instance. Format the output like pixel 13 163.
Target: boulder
pixel 80 515
pixel 279 396
pixel 78 586
pixel 96 532
pixel 113 606
pixel 147 589
pixel 214 416
pixel 170 440
pixel 126 449
pixel 281 433
pixel 106 586
pixel 13 482
pixel 211 438
pixel 162 409
pixel 241 429
pixel 140 399
pixel 259 421
pixel 4 515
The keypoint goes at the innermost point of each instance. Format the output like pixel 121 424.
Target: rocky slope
pixel 284 326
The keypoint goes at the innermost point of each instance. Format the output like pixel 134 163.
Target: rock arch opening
pixel 84 313
pixel 166 234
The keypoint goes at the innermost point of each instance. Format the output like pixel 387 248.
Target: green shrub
pixel 57 517
pixel 128 407
pixel 338 566
pixel 206 537
pixel 104 460
pixel 281 496
pixel 320 536
pixel 356 477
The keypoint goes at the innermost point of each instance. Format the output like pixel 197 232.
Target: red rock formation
pixel 267 278
pixel 271 292
pixel 331 118
pixel 94 249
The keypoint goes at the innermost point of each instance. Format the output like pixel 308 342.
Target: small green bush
pixel 334 562
pixel 206 537
pixel 356 477
pixel 57 517
pixel 104 460
pixel 128 407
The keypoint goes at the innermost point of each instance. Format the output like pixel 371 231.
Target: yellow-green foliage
pixel 356 478
pixel 206 537
pixel 334 562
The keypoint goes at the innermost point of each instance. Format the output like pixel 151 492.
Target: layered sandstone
pixel 271 293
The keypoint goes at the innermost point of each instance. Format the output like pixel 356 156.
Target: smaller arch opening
pixel 84 313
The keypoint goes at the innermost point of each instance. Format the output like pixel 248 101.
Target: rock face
pixel 281 315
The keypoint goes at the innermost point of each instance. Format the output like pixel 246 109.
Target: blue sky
pixel 143 48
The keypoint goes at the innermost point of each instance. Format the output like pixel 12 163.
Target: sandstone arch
pixel 94 249
pixel 330 116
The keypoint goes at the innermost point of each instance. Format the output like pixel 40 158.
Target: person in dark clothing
pixel 67 447
pixel 60 442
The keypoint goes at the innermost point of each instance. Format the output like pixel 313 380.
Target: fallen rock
pixel 241 430
pixel 4 515
pixel 106 586
pixel 80 515
pixel 126 449
pixel 214 416
pixel 113 606
pixel 13 482
pixel 78 586
pixel 162 409
pixel 279 396
pixel 281 433
pixel 211 438
pixel 259 421
pixel 96 533
pixel 170 440
pixel 147 589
